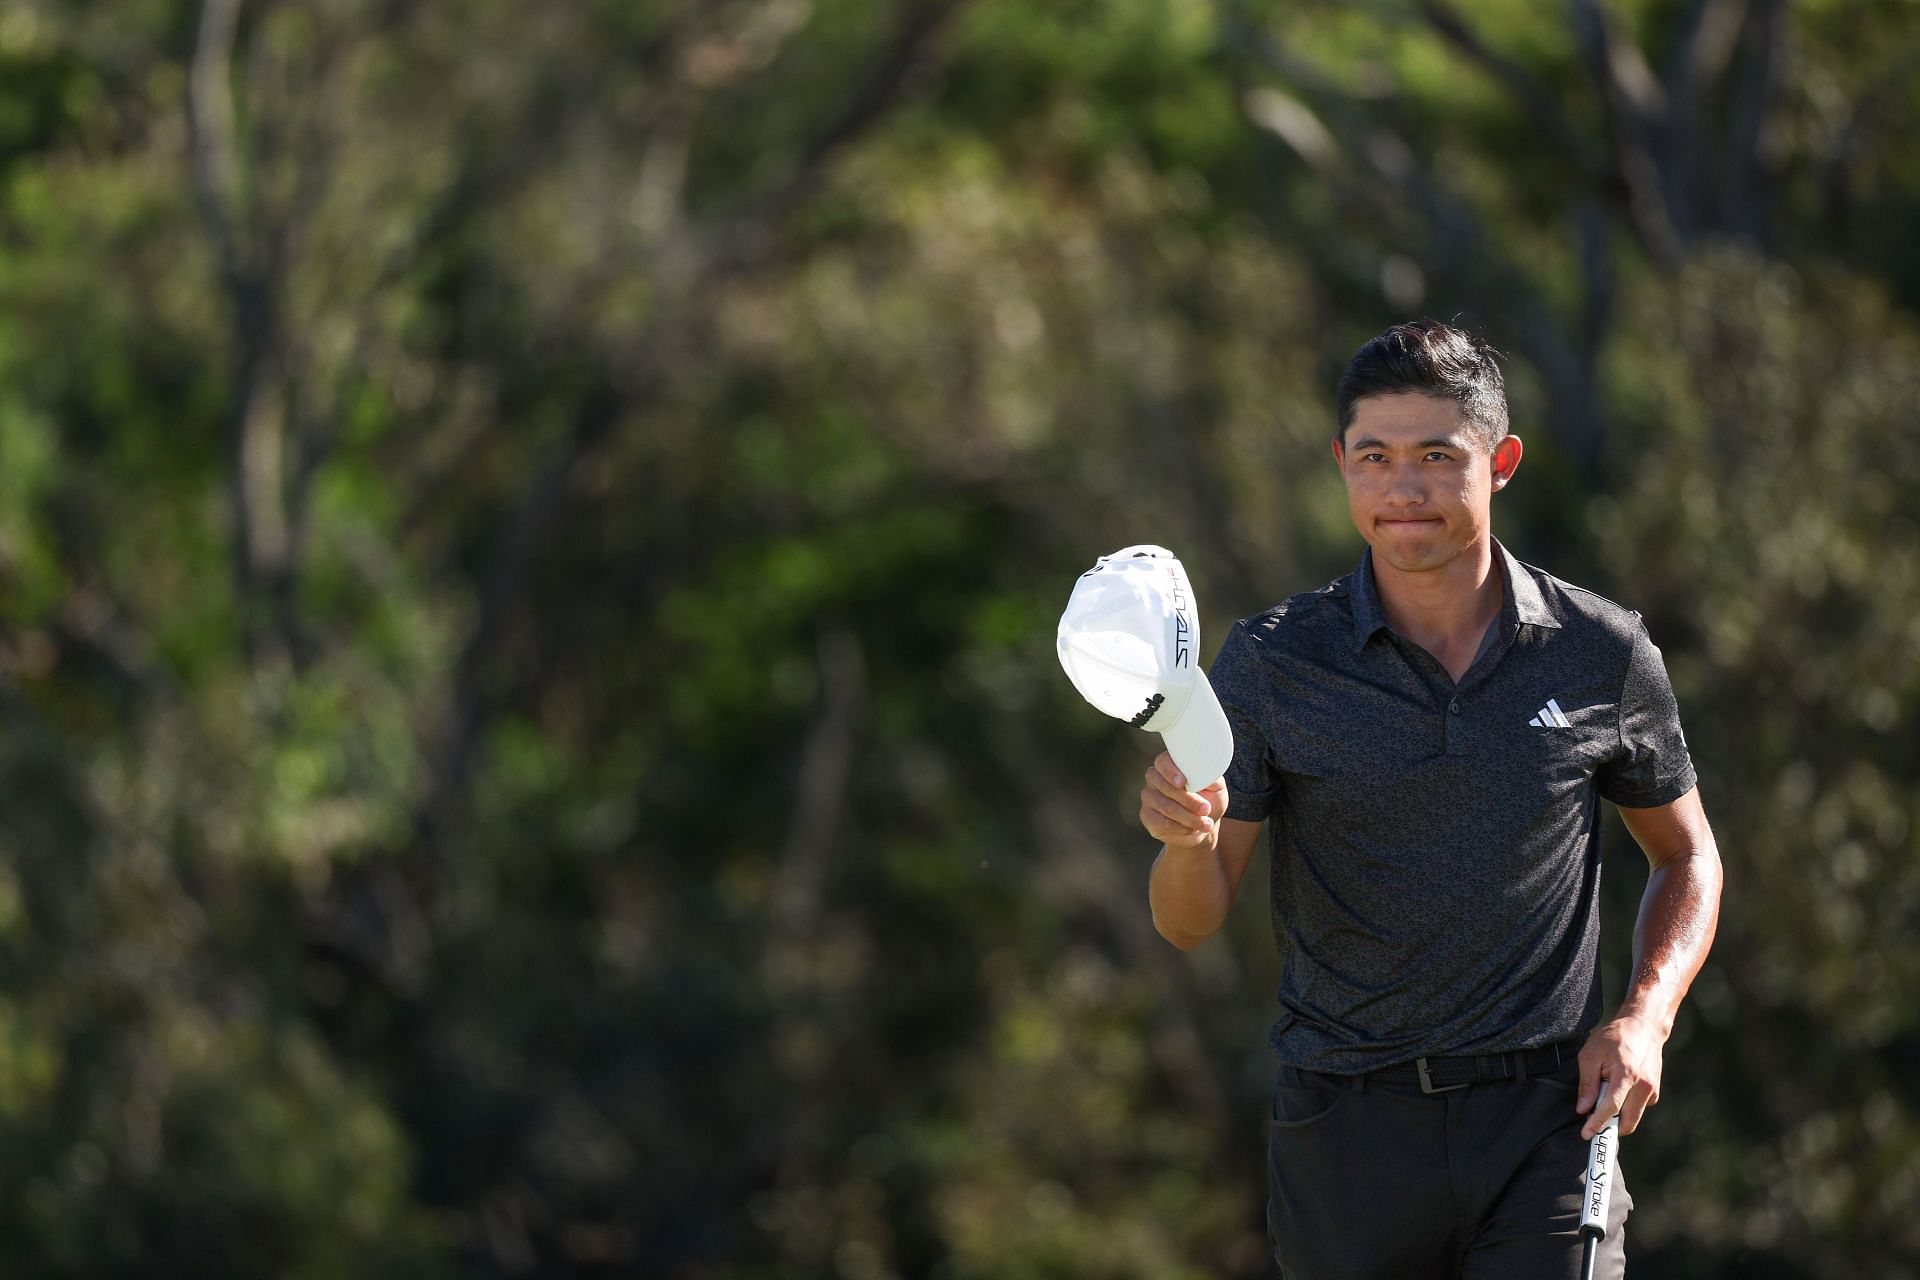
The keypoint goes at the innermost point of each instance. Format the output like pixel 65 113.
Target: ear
pixel 1506 460
pixel 1339 455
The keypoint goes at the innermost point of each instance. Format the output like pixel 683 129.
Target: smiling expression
pixel 1420 479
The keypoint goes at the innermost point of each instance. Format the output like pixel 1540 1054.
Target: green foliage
pixel 529 545
pixel 1765 521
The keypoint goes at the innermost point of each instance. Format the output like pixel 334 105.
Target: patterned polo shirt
pixel 1435 846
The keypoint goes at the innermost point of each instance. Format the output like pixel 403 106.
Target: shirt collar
pixel 1367 617
pixel 1522 602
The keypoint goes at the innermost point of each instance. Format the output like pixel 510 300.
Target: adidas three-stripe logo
pixel 1551 717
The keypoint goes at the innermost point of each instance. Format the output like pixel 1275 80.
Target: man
pixel 1429 737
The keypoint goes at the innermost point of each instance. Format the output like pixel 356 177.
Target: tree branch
pixel 1388 181
pixel 1694 66
pixel 1535 99
pixel 1750 167
pixel 632 377
pixel 1633 100
pixel 1842 162
pixel 253 416
pixel 826 770
pixel 210 143
pixel 906 61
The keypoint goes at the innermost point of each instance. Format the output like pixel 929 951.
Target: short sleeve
pixel 1244 690
pixel 1651 766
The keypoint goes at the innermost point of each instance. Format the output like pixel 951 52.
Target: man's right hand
pixel 1177 817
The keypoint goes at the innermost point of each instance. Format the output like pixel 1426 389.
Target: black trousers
pixel 1373 1181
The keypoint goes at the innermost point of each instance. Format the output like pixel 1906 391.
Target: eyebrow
pixel 1443 443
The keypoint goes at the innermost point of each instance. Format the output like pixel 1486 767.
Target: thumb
pixel 1216 794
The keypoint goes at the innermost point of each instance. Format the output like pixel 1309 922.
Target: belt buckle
pixel 1426 1082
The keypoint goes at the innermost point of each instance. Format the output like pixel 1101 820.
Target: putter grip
pixel 1600 1157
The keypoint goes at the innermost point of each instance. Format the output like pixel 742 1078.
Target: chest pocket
pixel 1567 740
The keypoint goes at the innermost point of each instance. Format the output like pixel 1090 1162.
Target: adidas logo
pixel 1551 717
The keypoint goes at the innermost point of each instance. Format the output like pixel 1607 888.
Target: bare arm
pixel 1678 912
pixel 1203 854
pixel 1678 915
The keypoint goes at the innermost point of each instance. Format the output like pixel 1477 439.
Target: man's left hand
pixel 1625 1053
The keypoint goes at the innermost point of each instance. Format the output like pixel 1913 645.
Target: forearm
pixel 1678 912
pixel 1678 915
pixel 1189 893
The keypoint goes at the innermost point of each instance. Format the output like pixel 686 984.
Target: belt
pixel 1442 1075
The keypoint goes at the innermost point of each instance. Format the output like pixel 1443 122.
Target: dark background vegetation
pixel 530 539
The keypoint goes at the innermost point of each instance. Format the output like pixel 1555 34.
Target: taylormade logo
pixel 1153 705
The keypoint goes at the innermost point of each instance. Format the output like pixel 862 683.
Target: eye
pixel 1437 456
pixel 1373 457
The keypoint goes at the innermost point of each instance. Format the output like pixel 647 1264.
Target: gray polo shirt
pixel 1435 847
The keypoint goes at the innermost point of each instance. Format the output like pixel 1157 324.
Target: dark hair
pixel 1431 359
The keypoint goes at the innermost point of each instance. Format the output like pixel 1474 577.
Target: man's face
pixel 1419 482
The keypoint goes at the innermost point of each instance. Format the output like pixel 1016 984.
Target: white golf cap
pixel 1130 642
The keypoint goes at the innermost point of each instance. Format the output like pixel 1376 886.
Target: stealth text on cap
pixel 1182 630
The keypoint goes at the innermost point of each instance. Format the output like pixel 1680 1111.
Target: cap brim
pixel 1200 742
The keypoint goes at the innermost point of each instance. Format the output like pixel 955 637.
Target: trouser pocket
pixel 1303 1143
pixel 1301 1098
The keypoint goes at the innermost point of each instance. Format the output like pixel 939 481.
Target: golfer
pixel 1428 740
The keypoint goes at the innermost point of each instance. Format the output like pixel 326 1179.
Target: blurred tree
pixel 528 546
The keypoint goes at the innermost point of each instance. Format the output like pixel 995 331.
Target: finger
pixel 1163 765
pixel 1604 1109
pixel 1175 836
pixel 1168 832
pixel 1638 1101
pixel 1157 781
pixel 1216 798
pixel 1589 1084
pixel 1175 812
pixel 1174 808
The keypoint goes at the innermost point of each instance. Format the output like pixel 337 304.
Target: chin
pixel 1407 562
pixel 1413 555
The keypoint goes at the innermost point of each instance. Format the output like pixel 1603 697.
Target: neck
pixel 1451 602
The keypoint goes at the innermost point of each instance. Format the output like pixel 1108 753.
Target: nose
pixel 1404 489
